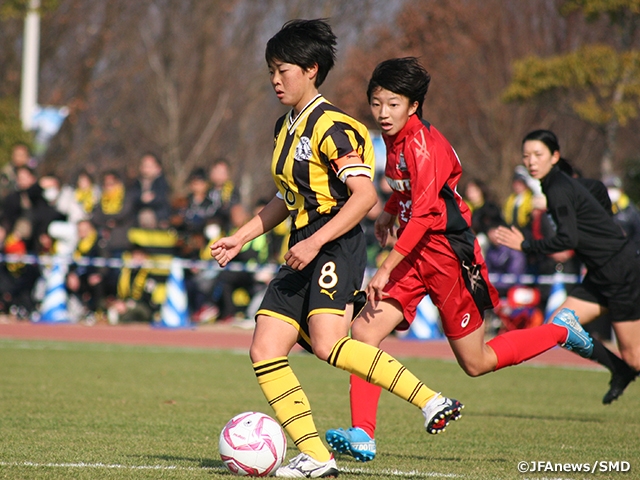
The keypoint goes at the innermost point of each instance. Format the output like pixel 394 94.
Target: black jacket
pixel 582 224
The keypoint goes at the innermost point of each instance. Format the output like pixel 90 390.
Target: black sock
pixel 610 360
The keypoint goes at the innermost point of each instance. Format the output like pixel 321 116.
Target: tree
pixel 183 78
pixel 469 64
pixel 599 83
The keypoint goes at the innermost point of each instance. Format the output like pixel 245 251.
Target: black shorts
pixel 331 281
pixel 615 286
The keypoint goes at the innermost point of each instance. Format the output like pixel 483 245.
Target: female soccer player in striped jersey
pixel 323 167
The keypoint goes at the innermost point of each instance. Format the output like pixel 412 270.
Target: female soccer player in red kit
pixel 436 254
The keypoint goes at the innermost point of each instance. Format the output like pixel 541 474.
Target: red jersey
pixel 423 170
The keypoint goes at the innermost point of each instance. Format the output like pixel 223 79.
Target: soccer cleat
pixel 439 411
pixel 578 340
pixel 617 384
pixel 303 466
pixel 354 441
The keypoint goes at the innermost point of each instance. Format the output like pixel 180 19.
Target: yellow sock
pixel 291 406
pixel 380 368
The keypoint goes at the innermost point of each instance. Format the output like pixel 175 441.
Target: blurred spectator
pixel 84 280
pixel 625 213
pixel 233 289
pixel 139 297
pixel 223 193
pixel 151 189
pixel 28 201
pixel 485 212
pixel 502 260
pixel 84 192
pixel 62 199
pixel 20 157
pixel 113 217
pixel 142 280
pixel 191 219
pixel 61 215
pixel 519 204
pixel 518 303
pixel 17 279
pixel 115 214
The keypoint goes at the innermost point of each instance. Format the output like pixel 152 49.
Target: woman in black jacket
pixel 582 224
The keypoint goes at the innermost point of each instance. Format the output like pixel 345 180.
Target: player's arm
pixel 363 198
pixel 566 237
pixel 225 249
pixel 428 173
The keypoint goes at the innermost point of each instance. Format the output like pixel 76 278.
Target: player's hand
pixel 509 237
pixel 301 254
pixel 384 227
pixel 225 250
pixel 375 287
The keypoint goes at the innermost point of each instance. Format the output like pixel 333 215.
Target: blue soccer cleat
pixel 578 340
pixel 354 441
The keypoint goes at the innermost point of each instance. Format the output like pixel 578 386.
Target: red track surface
pixel 228 337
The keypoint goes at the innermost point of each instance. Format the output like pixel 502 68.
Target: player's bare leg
pixel 374 324
pixel 271 338
pixel 473 354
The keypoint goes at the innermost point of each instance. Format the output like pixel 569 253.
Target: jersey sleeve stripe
pixel 354 170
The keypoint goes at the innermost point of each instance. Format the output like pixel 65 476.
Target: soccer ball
pixel 252 444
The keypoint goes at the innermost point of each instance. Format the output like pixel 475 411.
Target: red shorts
pixel 458 287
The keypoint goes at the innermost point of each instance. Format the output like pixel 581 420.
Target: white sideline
pixel 387 472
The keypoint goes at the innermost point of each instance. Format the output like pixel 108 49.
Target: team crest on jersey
pixel 303 150
pixel 402 164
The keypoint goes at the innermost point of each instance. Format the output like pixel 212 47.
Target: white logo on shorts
pixel 465 320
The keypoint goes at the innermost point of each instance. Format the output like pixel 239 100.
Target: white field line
pixel 107 466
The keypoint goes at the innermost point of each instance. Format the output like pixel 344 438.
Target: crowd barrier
pixel 174 313
pixel 48 260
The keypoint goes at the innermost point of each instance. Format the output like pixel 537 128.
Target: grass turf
pixel 93 411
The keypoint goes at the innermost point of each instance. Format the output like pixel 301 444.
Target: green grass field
pixel 89 411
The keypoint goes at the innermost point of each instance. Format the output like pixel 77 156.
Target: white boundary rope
pixel 48 260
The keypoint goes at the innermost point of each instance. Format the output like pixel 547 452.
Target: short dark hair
pixel 404 76
pixel 304 43
pixel 545 136
pixel 221 161
pixel 84 172
pixel 154 155
pixel 20 144
pixel 112 173
pixel 27 168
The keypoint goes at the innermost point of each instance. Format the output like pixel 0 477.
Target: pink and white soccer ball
pixel 252 444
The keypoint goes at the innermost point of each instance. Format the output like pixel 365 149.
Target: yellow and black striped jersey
pixel 313 156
